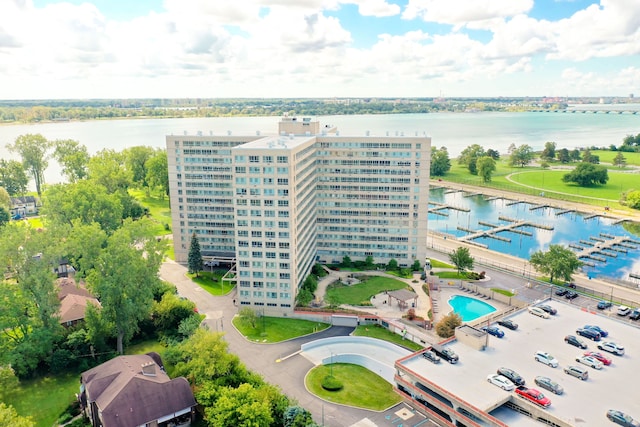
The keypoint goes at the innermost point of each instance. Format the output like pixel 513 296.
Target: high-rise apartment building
pixel 275 205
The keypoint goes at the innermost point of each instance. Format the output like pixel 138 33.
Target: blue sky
pixel 318 48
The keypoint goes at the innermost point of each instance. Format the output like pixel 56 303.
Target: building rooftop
pixel 605 389
pixel 276 142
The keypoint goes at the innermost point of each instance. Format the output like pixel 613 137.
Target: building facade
pixel 275 205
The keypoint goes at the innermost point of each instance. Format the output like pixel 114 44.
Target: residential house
pixel 74 299
pixel 130 391
pixel 23 206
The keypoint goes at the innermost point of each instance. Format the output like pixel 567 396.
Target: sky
pixel 51 49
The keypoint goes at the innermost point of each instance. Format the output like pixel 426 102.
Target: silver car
pixel 548 384
pixel 589 361
pixel 501 381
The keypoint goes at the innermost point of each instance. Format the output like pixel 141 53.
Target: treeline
pixel 61 110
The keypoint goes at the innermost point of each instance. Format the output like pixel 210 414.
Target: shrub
pixel 331 383
pixel 167 227
pixel 411 314
pixel 446 327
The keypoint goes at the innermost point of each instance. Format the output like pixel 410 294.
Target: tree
pixel 107 168
pixel 392 265
pixel 124 277
pixel 158 172
pixel 494 154
pixel 5 199
pixel 619 160
pixel 9 417
pixel 34 151
pixel 446 327
pixel 248 317
pixel 549 152
pixel 587 174
pixel 470 156
pixel 563 155
pixel 521 156
pixel 195 262
pixel 297 416
pixel 557 262
pixel 170 312
pixel 486 167
pixel 631 198
pixel 440 163
pixel 135 159
pixel 242 406
pixel 587 157
pixel 13 178
pixel 4 216
pixel 462 259
pixel 73 157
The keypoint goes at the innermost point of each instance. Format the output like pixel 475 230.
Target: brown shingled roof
pixel 127 397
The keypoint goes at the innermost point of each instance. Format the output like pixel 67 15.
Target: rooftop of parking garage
pixel 583 403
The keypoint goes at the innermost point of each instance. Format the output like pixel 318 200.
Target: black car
pixel 552 311
pixel 508 324
pixel 589 333
pixel 570 285
pixel 512 375
pixel 431 356
pixel 621 418
pixel 562 292
pixel 571 295
pixel 635 314
pixel 446 353
pixel 573 340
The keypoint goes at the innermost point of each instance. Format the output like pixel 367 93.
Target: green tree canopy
pixel 9 417
pixel 587 174
pixel 486 167
pixel 136 160
pixel 194 260
pixel 549 152
pixel 13 177
pixel 440 163
pixel 242 406
pixel 73 157
pixel 158 172
pixel 446 327
pixel 563 155
pixel 631 198
pixel 620 160
pixel 521 156
pixel 107 168
pixel 469 157
pixel 34 151
pixel 461 259
pixel 558 262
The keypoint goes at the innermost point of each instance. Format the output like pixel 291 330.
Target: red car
pixel 534 396
pixel 601 357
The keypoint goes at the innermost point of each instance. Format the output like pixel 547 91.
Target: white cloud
pixel 462 12
pixel 377 8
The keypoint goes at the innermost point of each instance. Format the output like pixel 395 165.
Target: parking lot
pixel 584 403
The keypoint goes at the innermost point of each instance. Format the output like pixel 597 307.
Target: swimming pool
pixel 470 308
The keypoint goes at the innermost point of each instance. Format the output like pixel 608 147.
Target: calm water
pixel 470 308
pixel 567 228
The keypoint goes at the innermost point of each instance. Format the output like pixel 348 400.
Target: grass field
pixel 210 282
pixel 159 210
pixel 277 329
pixel 606 156
pixel 377 331
pixel 362 292
pixel 362 388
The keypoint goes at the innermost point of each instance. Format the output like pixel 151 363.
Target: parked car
pixel 552 311
pixel 621 418
pixel 635 314
pixel 548 384
pixel 533 395
pixel 603 305
pixel 512 375
pixel 446 353
pixel 573 340
pixel 571 295
pixel 508 324
pixel 501 381
pixel 546 358
pixel 493 330
pixel 611 347
pixel 589 361
pixel 599 356
pixel 562 292
pixel 577 371
pixel 570 285
pixel 431 356
pixel 597 328
pixel 623 310
pixel 588 333
pixel 537 311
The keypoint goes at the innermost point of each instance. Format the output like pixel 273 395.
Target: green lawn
pixel 277 329
pixel 210 282
pixel 44 399
pixel 362 388
pixel 159 210
pixel 607 156
pixel 439 264
pixel 377 331
pixel 362 292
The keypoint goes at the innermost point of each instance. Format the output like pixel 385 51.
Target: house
pixel 130 391
pixel 74 299
pixel 23 206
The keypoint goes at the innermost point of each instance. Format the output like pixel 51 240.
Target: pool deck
pixel 468 316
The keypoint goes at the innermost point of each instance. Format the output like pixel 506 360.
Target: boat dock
pixel 607 247
pixel 564 211
pixel 513 227
pixel 443 206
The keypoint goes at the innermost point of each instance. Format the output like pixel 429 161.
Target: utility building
pixel 275 205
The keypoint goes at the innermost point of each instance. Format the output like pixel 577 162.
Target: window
pixel 283 181
pixel 254 159
pixel 255 233
pixel 283 159
pixel 267 159
pixel 283 203
pixel 241 169
pixel 284 266
pixel 283 224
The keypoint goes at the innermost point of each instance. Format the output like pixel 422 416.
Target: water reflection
pixel 479 212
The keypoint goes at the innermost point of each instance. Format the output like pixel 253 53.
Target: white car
pixel 537 311
pixel 546 358
pixel 611 347
pixel 589 361
pixel 623 310
pixel 501 381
